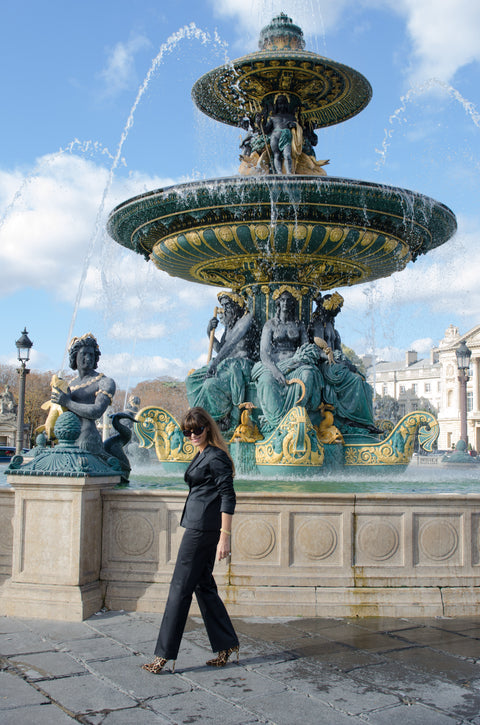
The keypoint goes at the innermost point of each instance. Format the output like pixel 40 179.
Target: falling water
pixel 186 32
pixel 413 93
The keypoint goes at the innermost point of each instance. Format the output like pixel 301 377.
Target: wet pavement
pixel 331 671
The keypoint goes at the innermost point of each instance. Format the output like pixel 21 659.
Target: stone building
pixel 434 379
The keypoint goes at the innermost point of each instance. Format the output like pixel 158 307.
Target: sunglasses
pixel 194 431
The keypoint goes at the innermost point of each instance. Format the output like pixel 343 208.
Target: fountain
pixel 283 228
pixel 277 238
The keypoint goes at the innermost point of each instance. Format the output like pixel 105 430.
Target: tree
pixel 353 357
pixel 8 376
pixel 164 393
pixel 37 391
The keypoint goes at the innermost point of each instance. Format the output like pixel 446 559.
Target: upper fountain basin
pixel 323 232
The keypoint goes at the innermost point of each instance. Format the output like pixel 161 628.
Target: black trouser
pixel 193 573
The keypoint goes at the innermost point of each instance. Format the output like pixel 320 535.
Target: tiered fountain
pixel 276 236
pixel 283 228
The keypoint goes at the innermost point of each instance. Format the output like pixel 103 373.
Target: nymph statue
pixel 220 386
pixel 322 321
pixel 288 372
pixel 90 393
pixel 345 388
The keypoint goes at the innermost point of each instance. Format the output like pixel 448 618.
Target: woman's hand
pixel 223 546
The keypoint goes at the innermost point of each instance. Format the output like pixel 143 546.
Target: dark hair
pixel 86 341
pixel 198 417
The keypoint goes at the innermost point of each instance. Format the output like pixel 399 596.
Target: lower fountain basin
pixel 319 231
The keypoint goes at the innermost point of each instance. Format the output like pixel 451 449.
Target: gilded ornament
pixel 397 448
pixel 155 426
pixel 293 443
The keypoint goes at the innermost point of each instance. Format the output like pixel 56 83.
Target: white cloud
pixel 119 73
pixel 51 215
pixel 423 345
pixel 124 365
pixel 444 35
pixel 315 17
pixel 122 330
pixel 442 284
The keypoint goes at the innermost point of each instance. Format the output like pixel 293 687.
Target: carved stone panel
pixel 475 539
pixel 317 539
pixel 256 538
pixel 438 540
pixel 46 548
pixel 7 508
pixel 380 540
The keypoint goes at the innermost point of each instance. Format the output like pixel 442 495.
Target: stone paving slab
pixel 448 697
pixel 9 625
pixel 127 674
pixel 292 670
pixel 47 665
pixel 55 631
pixel 365 640
pixel 132 716
pixel 14 691
pixel 22 642
pixel 409 715
pixel 86 693
pixel 341 693
pixel 129 631
pixel 291 707
pixel 37 715
pixel 95 648
pixel 237 684
pixel 428 661
pixel 205 707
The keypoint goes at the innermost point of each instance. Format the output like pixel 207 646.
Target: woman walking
pixel 207 519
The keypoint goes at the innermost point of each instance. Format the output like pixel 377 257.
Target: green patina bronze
pixel 326 232
pixel 66 459
pixel 327 92
pixel 278 235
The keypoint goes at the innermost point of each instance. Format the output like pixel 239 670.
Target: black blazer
pixel 210 478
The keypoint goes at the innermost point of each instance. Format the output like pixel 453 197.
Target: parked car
pixel 6 453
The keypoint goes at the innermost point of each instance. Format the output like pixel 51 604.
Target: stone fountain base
pixel 292 553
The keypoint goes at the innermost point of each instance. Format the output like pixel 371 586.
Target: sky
pixel 96 108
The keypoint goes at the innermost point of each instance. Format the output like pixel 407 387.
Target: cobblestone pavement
pixel 330 671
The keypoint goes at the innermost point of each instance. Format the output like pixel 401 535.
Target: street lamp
pixel 23 345
pixel 463 354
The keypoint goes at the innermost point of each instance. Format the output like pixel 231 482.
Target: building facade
pixel 412 381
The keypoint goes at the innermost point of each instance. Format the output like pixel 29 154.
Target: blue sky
pixel 96 108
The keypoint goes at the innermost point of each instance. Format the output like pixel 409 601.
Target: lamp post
pixel 23 345
pixel 463 354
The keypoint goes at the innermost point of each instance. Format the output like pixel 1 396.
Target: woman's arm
pixel 223 547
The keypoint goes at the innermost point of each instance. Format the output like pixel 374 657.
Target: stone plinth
pixel 57 544
pixel 307 554
pixel 7 506
pixel 293 554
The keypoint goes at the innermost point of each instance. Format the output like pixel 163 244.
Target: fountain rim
pixel 275 181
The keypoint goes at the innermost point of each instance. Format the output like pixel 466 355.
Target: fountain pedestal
pixel 57 529
pixel 57 547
